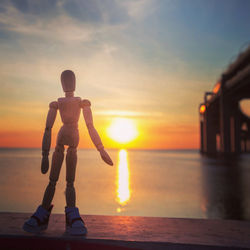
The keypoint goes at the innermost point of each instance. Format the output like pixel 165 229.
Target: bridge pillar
pixel 209 132
pixel 225 128
pixel 202 136
pixel 202 110
pixel 235 127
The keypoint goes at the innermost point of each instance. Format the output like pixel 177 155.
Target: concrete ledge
pixel 123 232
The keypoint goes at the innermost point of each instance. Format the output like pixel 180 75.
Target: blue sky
pixel 154 58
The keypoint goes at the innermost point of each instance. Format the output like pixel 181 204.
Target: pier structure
pixel 223 126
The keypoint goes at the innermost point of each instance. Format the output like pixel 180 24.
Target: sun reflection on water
pixel 123 180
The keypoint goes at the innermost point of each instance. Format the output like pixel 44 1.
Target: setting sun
pixel 122 130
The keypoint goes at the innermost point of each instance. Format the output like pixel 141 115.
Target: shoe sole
pixel 31 229
pixel 76 231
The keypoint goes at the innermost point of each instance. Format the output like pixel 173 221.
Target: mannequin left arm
pixel 87 113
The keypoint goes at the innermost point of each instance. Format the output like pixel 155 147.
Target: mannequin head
pixel 68 81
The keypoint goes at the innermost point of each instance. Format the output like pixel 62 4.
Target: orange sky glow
pixel 151 135
pixel 145 60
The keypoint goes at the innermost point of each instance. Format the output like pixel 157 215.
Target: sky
pixel 147 60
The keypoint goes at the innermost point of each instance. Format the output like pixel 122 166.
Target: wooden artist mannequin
pixel 69 108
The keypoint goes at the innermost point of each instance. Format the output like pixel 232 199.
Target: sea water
pixel 164 183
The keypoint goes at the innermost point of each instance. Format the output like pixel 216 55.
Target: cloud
pixel 127 113
pixel 117 65
pixel 96 11
pixel 75 20
pixel 138 9
pixel 59 27
pixel 38 8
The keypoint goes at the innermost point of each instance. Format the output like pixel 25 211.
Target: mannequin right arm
pixel 47 136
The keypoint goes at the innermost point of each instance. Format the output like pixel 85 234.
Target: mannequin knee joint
pixel 71 150
pixel 52 183
pixel 59 149
pixel 70 184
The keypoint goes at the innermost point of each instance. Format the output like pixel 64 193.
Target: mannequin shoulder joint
pixel 53 105
pixel 85 103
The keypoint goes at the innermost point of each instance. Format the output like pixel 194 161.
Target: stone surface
pixel 226 233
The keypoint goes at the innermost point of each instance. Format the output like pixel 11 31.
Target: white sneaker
pixel 74 223
pixel 38 221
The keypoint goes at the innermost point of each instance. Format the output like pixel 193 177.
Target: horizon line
pixel 134 149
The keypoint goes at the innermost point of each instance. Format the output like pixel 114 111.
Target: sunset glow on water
pixel 141 183
pixel 123 179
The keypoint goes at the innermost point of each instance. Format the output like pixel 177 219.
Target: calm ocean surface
pixel 141 183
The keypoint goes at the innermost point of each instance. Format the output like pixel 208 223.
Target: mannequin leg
pixel 71 160
pixel 56 165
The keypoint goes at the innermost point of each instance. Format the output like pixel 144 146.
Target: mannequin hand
pixel 106 157
pixel 45 164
